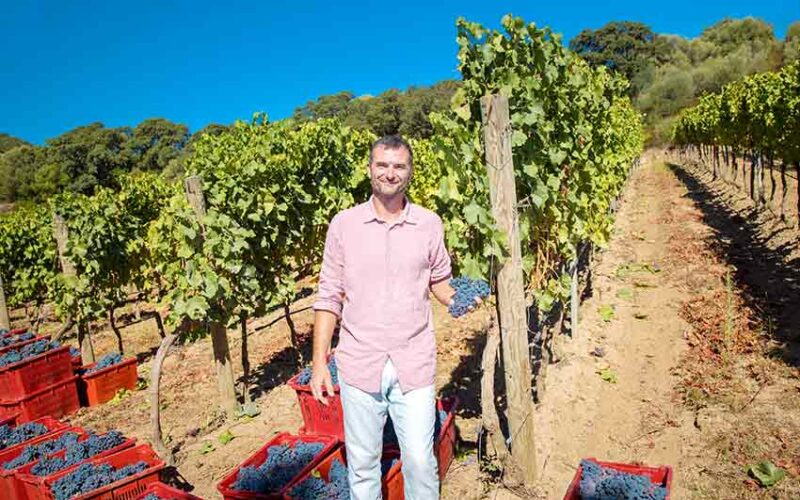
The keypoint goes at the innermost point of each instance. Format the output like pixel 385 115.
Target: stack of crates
pixel 21 483
pixel 39 385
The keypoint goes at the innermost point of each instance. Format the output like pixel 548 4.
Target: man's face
pixel 390 171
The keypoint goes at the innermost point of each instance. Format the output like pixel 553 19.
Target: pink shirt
pixel 376 276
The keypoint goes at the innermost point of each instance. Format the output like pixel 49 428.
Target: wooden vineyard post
pixel 574 300
pixel 61 235
pixel 4 321
pixel 219 335
pixel 511 305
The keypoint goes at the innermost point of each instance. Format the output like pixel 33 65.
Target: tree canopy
pixel 391 112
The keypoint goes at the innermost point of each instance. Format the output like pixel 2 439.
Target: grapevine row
pixel 755 119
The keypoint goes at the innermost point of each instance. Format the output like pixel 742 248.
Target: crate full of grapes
pixel 31 366
pixel 124 475
pixel 99 382
pixel 14 458
pixel 268 473
pixel 31 479
pixel 317 417
pixel 596 479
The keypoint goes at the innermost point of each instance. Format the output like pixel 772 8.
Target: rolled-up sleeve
pixel 331 277
pixel 439 258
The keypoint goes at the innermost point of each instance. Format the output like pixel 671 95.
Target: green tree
pixel 791 46
pixel 625 47
pixel 9 142
pixel 84 158
pixel 155 142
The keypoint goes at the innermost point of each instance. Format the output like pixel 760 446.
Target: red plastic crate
pixel 225 486
pixel 38 372
pixel 391 484
pixel 31 486
pixel 56 400
pixel 317 417
pixel 8 479
pixel 167 493
pixel 125 489
pixel 77 362
pixel 660 476
pixel 101 386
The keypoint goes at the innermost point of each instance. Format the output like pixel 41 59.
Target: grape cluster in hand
pixel 601 483
pixel 13 339
pixel 27 351
pixel 466 291
pixel 89 477
pixel 19 434
pixel 37 451
pixel 108 360
pixel 305 375
pixel 283 463
pixel 78 452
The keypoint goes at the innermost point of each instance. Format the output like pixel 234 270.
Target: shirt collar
pixel 409 213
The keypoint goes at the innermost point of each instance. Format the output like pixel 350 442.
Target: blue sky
pixel 71 63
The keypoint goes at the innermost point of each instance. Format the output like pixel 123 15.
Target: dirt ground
pixel 685 355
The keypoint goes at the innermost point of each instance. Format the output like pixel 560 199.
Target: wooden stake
pixel 193 187
pixel 510 285
pixel 61 235
pixel 4 320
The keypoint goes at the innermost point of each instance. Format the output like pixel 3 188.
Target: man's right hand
pixel 321 381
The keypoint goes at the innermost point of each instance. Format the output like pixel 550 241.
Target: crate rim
pixel 108 369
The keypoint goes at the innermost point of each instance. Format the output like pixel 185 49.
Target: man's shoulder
pixel 425 216
pixel 348 214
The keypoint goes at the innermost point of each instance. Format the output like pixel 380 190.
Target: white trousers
pixel 413 415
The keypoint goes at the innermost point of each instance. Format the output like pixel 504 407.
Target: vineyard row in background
pixel 751 123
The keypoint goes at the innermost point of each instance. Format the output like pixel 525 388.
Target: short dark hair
pixel 393 141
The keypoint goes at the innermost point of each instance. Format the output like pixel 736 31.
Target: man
pixel 381 259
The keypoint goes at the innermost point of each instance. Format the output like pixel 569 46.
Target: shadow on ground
pixel 769 277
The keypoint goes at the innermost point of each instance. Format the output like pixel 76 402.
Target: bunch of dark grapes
pixel 466 291
pixel 283 463
pixel 305 375
pixel 78 452
pixel 21 433
pixel 41 450
pixel 74 352
pixel 390 436
pixel 336 488
pixel 112 359
pixel 13 339
pixel 601 483
pixel 89 477
pixel 153 496
pixel 27 351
